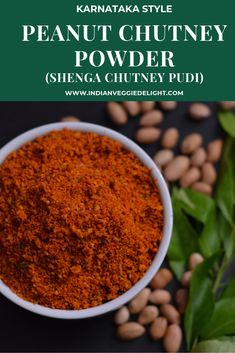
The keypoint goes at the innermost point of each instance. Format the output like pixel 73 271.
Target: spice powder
pixel 81 220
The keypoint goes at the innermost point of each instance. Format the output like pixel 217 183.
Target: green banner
pixel 69 50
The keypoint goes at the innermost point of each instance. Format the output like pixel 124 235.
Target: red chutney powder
pixel 80 220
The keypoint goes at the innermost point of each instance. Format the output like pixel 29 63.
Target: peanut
pixel 161 279
pixel 227 105
pixel 176 168
pixel 186 278
pixel 202 187
pixel 168 105
pixel 132 107
pixel 153 117
pixel 146 106
pixel 209 174
pixel 130 331
pixel 117 114
pixel 214 150
pixel 160 296
pixel 172 339
pixel 148 314
pixel 199 111
pixel 190 177
pixel 121 316
pixel 194 260
pixel 158 328
pixel 181 299
pixel 170 313
pixel 140 301
pixel 70 119
pixel 163 157
pixel 147 135
pixel 170 138
pixel 191 143
pixel 199 157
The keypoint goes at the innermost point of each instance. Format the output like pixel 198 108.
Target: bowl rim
pixel 114 304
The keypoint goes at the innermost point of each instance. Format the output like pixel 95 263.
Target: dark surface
pixel 23 331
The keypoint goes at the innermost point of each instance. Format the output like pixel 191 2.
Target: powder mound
pixel 80 220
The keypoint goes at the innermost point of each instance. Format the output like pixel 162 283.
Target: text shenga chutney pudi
pixel 80 220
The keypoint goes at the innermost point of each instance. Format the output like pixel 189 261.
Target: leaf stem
pixel 220 274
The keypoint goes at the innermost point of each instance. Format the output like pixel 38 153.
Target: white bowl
pixel 168 219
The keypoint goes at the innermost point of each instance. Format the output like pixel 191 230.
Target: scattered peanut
pixel 209 174
pixel 176 168
pixel 202 187
pixel 70 119
pixel 121 316
pixel 170 313
pixel 227 105
pixel 130 331
pixel 132 107
pixel 160 296
pixel 146 106
pixel 163 157
pixel 168 105
pixel 181 299
pixel 172 339
pixel 147 135
pixel 190 177
pixel 161 279
pixel 199 111
pixel 158 328
pixel 215 150
pixel 170 138
pixel 185 280
pixel 151 118
pixel 199 157
pixel 117 114
pixel 194 260
pixel 148 314
pixel 191 143
pixel 139 302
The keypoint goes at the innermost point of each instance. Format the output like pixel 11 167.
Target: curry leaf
pixel 183 243
pixel 222 321
pixel 227 235
pixel 215 346
pixel 194 203
pixel 201 301
pixel 225 192
pixel 209 239
pixel 229 292
pixel 227 120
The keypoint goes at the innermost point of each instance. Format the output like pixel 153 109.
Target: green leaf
pixel 227 120
pixel 214 346
pixel 209 239
pixel 229 292
pixel 194 203
pixel 225 191
pixel 201 301
pixel 227 235
pixel 184 241
pixel 222 321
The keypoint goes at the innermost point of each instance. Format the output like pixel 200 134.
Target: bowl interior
pixel 148 162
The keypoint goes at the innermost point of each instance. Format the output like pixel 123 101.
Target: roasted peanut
pixel 209 174
pixel 168 105
pixel 227 105
pixel 117 114
pixel 181 299
pixel 160 296
pixel 130 331
pixel 147 135
pixel 186 278
pixel 151 118
pixel 161 279
pixel 191 143
pixel 163 157
pixel 148 314
pixel 70 119
pixel 139 302
pixel 170 138
pixel 194 260
pixel 158 328
pixel 175 169
pixel 214 149
pixel 121 316
pixel 172 339
pixel 146 106
pixel 170 313
pixel 199 157
pixel 190 177
pixel 132 107
pixel 199 111
pixel 202 187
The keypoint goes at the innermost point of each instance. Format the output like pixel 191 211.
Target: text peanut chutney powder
pixel 80 220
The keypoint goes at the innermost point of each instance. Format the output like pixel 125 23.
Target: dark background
pixel 24 331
